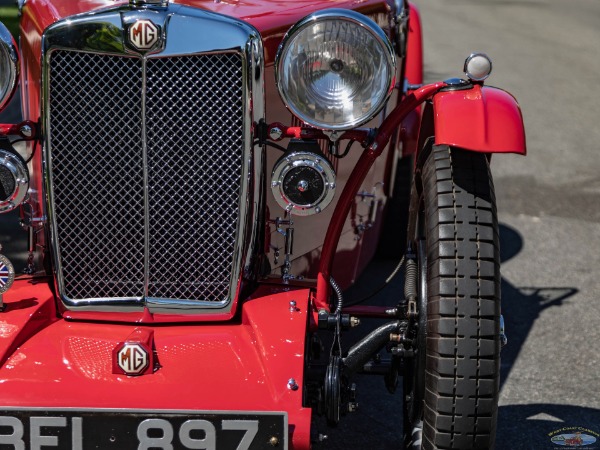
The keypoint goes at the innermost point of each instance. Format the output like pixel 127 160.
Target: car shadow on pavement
pixel 531 426
pixel 521 306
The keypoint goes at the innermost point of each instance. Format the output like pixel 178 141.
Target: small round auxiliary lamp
pixel 478 67
pixel 303 182
pixel 14 180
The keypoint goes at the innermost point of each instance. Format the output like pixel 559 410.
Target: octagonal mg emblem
pixel 143 34
pixel 132 359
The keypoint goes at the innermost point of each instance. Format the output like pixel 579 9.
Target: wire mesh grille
pixel 193 159
pixel 97 173
pixel 194 171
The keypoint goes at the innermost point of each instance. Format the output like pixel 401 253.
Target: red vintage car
pixel 201 181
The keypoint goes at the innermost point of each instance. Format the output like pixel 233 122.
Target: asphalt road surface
pixel 547 53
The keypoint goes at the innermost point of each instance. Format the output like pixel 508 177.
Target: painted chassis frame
pixel 53 358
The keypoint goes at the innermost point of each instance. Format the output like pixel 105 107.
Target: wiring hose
pixel 338 293
pixel 382 287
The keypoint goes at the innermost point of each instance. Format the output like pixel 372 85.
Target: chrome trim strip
pixel 145 175
pixel 220 34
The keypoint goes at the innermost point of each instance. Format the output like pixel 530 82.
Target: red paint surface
pixel 414 55
pixel 47 362
pixel 482 119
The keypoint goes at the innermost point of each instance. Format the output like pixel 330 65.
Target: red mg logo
pixel 132 359
pixel 143 34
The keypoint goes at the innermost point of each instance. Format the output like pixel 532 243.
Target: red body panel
pixel 483 119
pixel 235 367
pixel 414 52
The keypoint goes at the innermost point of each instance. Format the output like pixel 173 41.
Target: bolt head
pixel 275 133
pixel 26 131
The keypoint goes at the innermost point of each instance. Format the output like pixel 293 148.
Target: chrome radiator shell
pixel 153 183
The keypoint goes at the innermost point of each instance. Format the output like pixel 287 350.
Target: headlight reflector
pixel 9 66
pixel 335 69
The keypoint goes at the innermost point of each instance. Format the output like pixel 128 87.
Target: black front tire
pixel 452 392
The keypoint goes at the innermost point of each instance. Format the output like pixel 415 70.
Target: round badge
pixel 7 274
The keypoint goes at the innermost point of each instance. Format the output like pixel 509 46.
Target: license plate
pixel 142 430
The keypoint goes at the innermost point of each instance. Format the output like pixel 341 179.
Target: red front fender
pixel 482 119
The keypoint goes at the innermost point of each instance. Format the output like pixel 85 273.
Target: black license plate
pixel 141 430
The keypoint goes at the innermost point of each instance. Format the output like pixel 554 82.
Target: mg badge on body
pixel 143 34
pixel 135 356
pixel 132 359
pixel 7 276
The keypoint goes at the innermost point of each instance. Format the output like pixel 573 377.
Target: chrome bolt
pixel 275 133
pixel 323 437
pixel 293 307
pixel 354 322
pixel 274 441
pixel 26 131
pixel 274 183
pixel 317 209
pixel 292 385
pixel 352 407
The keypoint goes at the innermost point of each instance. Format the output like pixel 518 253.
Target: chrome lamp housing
pixel 335 69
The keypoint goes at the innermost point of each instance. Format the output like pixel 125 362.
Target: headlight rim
pixel 356 18
pixel 8 50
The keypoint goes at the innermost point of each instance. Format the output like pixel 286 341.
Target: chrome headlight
pixel 9 66
pixel 335 69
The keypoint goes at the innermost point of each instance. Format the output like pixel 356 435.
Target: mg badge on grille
pixel 143 34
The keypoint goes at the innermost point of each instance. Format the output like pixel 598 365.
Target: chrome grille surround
pixel 153 199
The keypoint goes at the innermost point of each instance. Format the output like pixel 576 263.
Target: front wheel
pixel 452 382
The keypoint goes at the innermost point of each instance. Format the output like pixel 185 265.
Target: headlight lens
pixel 335 69
pixel 9 66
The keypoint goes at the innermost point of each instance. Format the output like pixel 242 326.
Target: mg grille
pixel 146 167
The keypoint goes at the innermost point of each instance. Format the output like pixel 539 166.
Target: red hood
pixel 51 362
pixel 272 18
